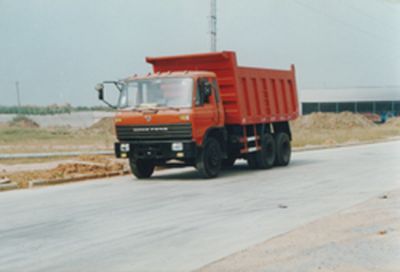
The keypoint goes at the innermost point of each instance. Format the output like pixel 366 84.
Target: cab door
pixel 205 114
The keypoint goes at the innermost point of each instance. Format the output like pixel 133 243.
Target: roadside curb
pixel 8 186
pixel 37 183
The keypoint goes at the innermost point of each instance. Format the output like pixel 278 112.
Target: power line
pixel 371 35
pixel 365 14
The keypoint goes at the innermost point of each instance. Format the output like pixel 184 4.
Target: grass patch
pixel 21 140
pixel 15 135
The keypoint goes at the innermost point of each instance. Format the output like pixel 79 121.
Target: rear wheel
pixel 267 155
pixel 264 158
pixel 141 168
pixel 209 161
pixel 283 149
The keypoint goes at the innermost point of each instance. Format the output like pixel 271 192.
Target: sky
pixel 59 49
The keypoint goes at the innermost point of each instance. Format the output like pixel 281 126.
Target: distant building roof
pixel 350 94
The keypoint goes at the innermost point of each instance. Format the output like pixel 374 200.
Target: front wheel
pixel 209 160
pixel 141 168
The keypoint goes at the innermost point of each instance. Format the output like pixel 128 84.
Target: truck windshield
pixel 157 92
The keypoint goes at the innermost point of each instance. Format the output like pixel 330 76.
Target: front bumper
pixel 155 150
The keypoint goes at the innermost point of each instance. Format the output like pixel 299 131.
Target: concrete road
pixel 364 237
pixel 178 222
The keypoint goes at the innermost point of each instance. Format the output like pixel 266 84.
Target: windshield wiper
pixel 172 108
pixel 168 107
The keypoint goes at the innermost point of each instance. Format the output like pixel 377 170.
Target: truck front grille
pixel 154 132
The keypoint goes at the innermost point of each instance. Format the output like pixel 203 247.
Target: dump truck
pixel 204 110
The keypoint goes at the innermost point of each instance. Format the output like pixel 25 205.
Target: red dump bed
pixel 249 95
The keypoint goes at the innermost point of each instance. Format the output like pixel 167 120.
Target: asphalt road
pixel 178 222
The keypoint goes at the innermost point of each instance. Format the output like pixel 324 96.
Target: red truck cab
pixel 178 99
pixel 203 110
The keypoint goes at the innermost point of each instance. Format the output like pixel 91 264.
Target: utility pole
pixel 213 25
pixel 18 97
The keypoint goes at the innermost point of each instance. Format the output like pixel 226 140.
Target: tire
pixel 228 163
pixel 283 149
pixel 267 155
pixel 208 162
pixel 141 169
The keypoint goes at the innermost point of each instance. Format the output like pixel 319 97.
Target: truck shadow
pixel 239 169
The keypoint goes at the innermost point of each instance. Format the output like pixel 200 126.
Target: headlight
pixel 184 117
pixel 124 147
pixel 177 146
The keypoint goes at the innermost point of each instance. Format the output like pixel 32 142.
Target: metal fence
pixel 376 107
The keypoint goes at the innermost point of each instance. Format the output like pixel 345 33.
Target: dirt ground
pixel 22 135
pixel 331 129
pixel 21 174
pixel 365 237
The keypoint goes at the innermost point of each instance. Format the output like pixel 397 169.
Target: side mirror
pixel 100 89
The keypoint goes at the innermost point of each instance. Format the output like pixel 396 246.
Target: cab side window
pixel 202 97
